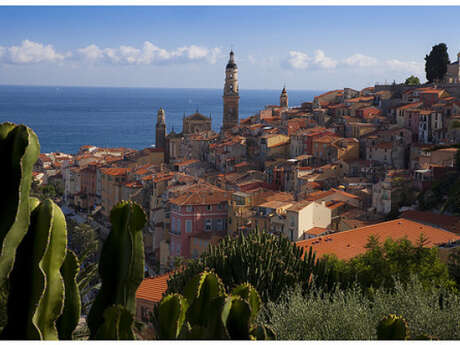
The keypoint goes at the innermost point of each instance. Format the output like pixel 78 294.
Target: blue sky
pixel 305 47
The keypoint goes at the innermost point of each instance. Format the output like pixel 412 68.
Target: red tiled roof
pixel 152 289
pixel 450 223
pixel 202 194
pixel 348 244
pixel 114 171
pixel 315 231
pixel 410 105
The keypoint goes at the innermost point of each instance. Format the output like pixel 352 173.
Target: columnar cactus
pixel 70 316
pixel 19 149
pixel 207 312
pixel 392 327
pixel 36 298
pixel 121 267
pixel 270 263
pixel 44 298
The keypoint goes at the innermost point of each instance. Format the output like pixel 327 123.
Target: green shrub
pixel 350 315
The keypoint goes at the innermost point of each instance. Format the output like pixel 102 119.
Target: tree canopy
pixel 412 80
pixel 436 63
pixel 393 259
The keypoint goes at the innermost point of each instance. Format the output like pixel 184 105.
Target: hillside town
pixel 324 174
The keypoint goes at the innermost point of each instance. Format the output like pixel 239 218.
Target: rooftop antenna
pixel 197 108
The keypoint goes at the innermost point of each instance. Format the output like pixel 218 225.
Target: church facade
pixel 196 123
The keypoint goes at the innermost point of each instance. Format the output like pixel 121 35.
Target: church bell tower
pixel 160 130
pixel 231 95
pixel 284 98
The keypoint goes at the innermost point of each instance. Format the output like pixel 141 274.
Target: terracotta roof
pixel 450 223
pixel 300 205
pixel 202 194
pixel 152 289
pixel 348 244
pixel 410 105
pixel 242 164
pixel 187 162
pixel 315 231
pixel 114 171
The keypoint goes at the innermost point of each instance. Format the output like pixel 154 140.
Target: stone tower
pixel 284 98
pixel 231 94
pixel 160 133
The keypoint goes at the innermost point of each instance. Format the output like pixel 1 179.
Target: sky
pixel 304 47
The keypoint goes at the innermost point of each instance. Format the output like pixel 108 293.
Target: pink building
pixel 201 208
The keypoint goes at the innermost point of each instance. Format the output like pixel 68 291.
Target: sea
pixel 66 118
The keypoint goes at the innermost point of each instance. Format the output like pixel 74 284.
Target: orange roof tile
pixel 115 171
pixel 315 231
pixel 450 223
pixel 152 289
pixel 348 244
pixel 202 194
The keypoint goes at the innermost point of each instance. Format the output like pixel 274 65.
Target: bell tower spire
pixel 284 98
pixel 160 130
pixel 231 94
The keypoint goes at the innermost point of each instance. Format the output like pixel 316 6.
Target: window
pixel 178 226
pixel 188 226
pixel 189 209
pixel 208 225
pixel 219 224
pixel 144 314
pixel 208 207
pixel 220 206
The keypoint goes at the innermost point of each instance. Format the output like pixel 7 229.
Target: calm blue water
pixel 66 118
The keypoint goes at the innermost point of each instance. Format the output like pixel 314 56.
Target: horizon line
pixel 149 87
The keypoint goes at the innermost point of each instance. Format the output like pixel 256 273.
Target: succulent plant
pixel 207 312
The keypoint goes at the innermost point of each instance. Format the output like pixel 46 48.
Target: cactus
pixel 121 265
pixel 70 316
pixel 271 264
pixel 19 149
pixel 36 297
pixel 173 309
pixel 210 313
pixel 44 298
pixel 117 325
pixel 392 327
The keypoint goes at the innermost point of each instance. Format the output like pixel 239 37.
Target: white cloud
pixel 360 60
pixel 298 60
pixel 30 52
pixel 322 61
pixel 149 54
pixel 301 60
pixel 405 66
pixel 91 52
